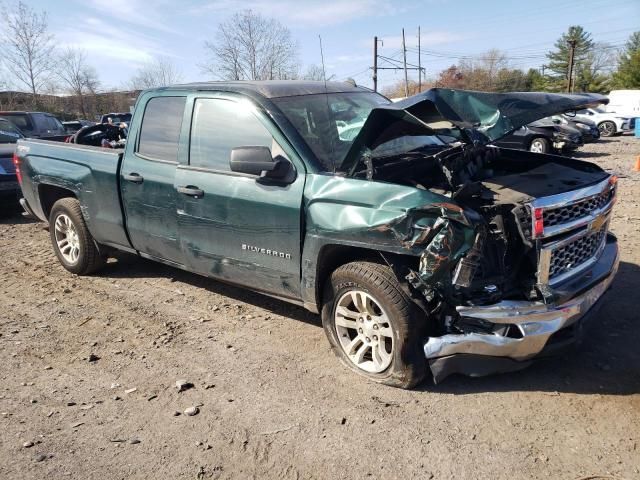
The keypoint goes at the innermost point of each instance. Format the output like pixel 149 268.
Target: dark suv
pixel 9 135
pixel 37 124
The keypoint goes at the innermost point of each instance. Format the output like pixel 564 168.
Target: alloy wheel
pixel 364 331
pixel 67 238
pixel 537 147
pixel 607 129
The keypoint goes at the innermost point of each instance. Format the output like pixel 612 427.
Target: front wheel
pixel 539 145
pixel 72 242
pixel 607 129
pixel 372 326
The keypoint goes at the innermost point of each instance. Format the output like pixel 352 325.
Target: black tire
pixel 408 363
pixel 88 258
pixel 539 145
pixel 607 128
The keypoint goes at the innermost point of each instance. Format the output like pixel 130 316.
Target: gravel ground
pixel 90 364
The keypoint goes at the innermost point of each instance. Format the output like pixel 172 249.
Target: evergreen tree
pixel 559 58
pixel 628 73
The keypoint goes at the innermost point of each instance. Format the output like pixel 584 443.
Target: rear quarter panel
pixel 91 173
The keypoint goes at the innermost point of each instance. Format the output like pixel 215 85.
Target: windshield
pixel 402 145
pixel 329 122
pixel 8 132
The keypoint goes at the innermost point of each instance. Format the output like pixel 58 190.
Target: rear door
pixel 238 229
pixel 147 178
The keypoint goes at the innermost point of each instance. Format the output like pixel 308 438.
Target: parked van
pixel 625 103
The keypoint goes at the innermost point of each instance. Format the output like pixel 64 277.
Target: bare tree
pixel 159 72
pixel 602 59
pixel 252 47
pixel 481 73
pixel 28 50
pixel 316 73
pixel 77 76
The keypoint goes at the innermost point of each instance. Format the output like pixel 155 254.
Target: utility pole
pixel 572 51
pixel 375 64
pixel 543 68
pixel 406 78
pixel 419 64
pixel 391 63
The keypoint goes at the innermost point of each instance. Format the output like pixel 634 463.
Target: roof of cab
pixel 274 88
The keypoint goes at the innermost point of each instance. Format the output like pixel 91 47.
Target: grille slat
pixel 576 253
pixel 577 210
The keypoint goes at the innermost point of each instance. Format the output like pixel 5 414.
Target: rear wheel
pixel 71 240
pixel 372 326
pixel 539 145
pixel 607 129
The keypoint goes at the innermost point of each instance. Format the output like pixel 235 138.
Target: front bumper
pixel 478 354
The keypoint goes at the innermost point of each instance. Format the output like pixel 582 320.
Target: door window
pixel 160 130
pixel 53 123
pixel 218 127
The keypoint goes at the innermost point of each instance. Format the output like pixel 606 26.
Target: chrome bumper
pixel 536 321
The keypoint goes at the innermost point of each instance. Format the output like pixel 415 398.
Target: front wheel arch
pixel 408 366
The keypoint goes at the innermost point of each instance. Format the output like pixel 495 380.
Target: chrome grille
pixel 577 210
pixel 574 254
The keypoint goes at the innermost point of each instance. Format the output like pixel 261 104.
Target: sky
pixel 121 35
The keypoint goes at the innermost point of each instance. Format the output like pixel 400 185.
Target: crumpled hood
pixel 481 117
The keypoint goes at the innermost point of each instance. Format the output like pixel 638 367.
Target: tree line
pixel 249 46
pixel 598 67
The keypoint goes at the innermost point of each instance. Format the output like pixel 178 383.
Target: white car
pixel 609 123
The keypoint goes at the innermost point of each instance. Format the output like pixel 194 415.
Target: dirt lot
pixel 273 401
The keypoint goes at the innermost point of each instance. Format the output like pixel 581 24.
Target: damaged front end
pixel 514 249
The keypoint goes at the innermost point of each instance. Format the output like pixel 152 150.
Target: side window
pixel 53 123
pixel 160 130
pixel 219 126
pixel 40 121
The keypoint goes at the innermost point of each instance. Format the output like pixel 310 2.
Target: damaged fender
pixel 388 218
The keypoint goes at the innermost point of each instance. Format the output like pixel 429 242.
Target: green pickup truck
pixel 426 250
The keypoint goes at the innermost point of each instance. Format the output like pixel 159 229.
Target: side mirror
pixel 570 113
pixel 258 161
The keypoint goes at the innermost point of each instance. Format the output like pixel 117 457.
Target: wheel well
pixel 334 256
pixel 50 194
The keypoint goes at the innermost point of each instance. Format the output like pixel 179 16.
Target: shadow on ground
pixel 579 154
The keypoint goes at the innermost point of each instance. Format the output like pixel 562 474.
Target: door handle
pixel 133 177
pixel 191 191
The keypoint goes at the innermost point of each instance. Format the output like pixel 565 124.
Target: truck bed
pixel 91 173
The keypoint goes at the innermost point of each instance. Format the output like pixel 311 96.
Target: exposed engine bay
pixel 495 185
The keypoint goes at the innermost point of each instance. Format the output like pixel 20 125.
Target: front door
pixel 232 226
